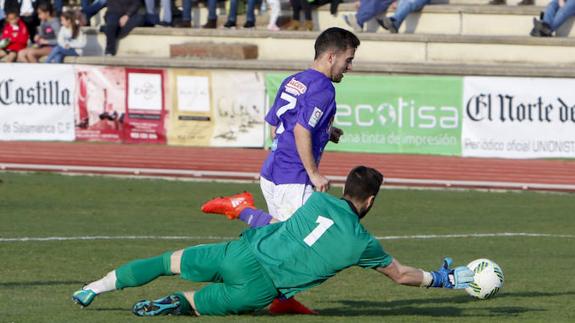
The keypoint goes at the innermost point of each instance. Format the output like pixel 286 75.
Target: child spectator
pixel 14 37
pixel 46 38
pixel 71 40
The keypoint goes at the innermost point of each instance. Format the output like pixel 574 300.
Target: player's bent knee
pixel 190 298
pixel 176 262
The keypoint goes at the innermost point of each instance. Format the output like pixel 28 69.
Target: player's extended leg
pixel 241 284
pixel 239 206
pixel 135 273
pixel 178 303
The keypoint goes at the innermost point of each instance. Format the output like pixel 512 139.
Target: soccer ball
pixel 488 279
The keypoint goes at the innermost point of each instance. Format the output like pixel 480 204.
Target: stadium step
pixel 454 20
pixel 485 2
pixel 375 48
pixel 510 70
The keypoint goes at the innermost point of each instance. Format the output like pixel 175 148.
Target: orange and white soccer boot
pixel 230 206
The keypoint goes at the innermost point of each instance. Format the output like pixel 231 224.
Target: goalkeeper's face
pixel 341 62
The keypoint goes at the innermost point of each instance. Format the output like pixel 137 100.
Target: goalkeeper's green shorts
pixel 240 283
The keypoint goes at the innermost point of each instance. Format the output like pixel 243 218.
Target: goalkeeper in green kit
pixel 323 237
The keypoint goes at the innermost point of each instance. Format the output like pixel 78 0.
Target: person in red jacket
pixel 14 37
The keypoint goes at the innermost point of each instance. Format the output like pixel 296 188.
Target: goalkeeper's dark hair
pixel 362 182
pixel 335 38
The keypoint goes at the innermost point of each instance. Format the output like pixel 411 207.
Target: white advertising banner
pixel 518 117
pixel 145 91
pixel 239 104
pixel 193 93
pixel 36 102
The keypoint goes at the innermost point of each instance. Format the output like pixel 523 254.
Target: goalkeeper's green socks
pixel 142 271
pixel 135 273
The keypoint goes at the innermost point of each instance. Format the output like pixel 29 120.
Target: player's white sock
pixel 427 279
pixel 106 284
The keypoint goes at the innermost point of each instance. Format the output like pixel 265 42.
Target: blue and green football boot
pixel 169 305
pixel 84 297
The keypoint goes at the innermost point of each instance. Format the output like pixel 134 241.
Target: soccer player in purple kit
pixel 301 121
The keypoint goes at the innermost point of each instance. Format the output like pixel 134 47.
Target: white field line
pixel 218 238
pixel 254 176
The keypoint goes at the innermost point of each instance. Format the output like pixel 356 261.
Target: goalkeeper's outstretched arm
pixel 445 277
pixel 406 275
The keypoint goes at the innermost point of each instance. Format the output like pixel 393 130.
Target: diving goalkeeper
pixel 323 237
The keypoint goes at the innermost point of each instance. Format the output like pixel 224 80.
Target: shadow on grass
pixel 440 307
pixel 40 283
pixel 107 309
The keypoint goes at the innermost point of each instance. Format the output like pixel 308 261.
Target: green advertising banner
pixel 395 114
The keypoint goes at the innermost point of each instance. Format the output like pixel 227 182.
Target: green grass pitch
pixel 37 278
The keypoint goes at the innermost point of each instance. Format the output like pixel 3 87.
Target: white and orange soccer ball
pixel 488 279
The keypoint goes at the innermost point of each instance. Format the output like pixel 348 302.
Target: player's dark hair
pixel 335 38
pixel 362 182
pixel 46 6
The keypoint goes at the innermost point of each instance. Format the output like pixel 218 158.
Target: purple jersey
pixel 307 98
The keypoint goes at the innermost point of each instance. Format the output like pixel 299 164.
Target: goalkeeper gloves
pixel 457 278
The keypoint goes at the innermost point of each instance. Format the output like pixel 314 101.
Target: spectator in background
pixel 71 39
pixel 58 5
pixel 152 16
pixel 121 17
pixel 186 14
pixel 368 9
pixel 2 14
pixel 29 17
pixel 555 14
pixel 307 5
pixel 14 36
pixel 90 9
pixel 187 6
pixel 504 2
pixel 46 38
pixel 275 9
pixel 404 8
pixel 250 14
pixel 212 22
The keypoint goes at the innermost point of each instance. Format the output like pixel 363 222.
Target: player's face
pixel 341 63
pixel 364 211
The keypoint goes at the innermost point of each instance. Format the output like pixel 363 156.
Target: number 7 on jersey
pixel 322 225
